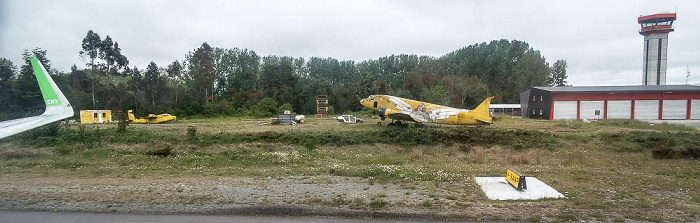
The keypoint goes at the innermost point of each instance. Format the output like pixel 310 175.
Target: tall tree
pixel 153 83
pixel 558 74
pixel 91 48
pixel 7 90
pixel 174 72
pixel 7 69
pixel 201 66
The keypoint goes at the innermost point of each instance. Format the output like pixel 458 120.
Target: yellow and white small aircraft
pixel 151 118
pixel 402 109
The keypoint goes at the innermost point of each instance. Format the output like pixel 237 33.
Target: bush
pixel 191 133
pixel 162 151
pixel 122 122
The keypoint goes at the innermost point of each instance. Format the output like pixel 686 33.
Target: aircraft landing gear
pixel 395 123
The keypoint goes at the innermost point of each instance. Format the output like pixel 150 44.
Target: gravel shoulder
pixel 293 196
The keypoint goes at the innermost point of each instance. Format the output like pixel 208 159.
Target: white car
pixel 349 119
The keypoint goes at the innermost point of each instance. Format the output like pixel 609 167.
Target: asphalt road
pixel 78 217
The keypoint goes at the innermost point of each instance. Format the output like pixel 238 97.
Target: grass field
pixel 608 170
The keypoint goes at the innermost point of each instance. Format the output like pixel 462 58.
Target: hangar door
pixel 646 109
pixel 619 109
pixel 675 109
pixel 694 109
pixel 565 109
pixel 592 109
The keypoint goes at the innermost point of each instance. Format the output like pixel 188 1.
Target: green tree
pixel 90 48
pixel 175 78
pixel 558 76
pixel 153 83
pixel 7 69
pixel 7 90
pixel 201 67
pixel 435 95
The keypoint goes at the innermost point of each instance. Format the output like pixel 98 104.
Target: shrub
pixel 664 152
pixel 122 122
pixel 162 151
pixel 191 133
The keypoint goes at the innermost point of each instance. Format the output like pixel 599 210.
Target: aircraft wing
pixel 402 115
pixel 57 106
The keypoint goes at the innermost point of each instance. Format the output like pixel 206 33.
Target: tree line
pixel 215 81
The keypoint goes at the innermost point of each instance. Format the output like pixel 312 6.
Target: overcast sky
pixel 598 39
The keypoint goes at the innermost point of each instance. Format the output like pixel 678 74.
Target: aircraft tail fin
pixel 57 106
pixel 56 102
pixel 131 115
pixel 481 112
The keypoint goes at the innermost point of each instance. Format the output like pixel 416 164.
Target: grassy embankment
pixel 629 168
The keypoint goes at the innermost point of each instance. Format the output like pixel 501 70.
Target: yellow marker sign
pixel 516 179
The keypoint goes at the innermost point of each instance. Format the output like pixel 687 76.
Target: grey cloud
pixel 598 39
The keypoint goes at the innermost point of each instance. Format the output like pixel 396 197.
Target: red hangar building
pixel 644 102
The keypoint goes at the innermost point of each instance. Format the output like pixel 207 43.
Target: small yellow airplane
pixel 151 118
pixel 402 109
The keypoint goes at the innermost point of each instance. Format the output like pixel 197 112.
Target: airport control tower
pixel 655 29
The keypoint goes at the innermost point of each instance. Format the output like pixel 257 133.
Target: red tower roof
pixel 657 23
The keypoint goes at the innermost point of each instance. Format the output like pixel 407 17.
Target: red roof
pixel 666 16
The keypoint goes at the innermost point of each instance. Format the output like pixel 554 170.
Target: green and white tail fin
pixel 56 102
pixel 57 106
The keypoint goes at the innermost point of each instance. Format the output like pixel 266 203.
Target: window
pixel 540 111
pixel 541 98
pixel 104 115
pixel 94 115
pixel 533 98
pixel 375 104
pixel 533 111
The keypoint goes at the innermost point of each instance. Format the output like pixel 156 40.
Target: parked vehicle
pixel 349 119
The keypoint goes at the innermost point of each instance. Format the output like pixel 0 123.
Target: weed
pixel 359 203
pixel 63 149
pixel 380 194
pixel 378 203
pixel 311 143
pixel 476 156
pixel 416 154
pixel 465 148
pixel 522 158
pixel 339 201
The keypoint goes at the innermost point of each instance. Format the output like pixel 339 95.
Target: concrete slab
pixel 496 188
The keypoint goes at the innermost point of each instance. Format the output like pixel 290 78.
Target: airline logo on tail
pixel 53 102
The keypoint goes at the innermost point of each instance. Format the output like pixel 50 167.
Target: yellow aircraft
pixel 151 118
pixel 397 108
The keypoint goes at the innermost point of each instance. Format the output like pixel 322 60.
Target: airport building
pixel 651 100
pixel 612 102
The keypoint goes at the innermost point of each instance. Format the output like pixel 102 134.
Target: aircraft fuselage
pixel 417 111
